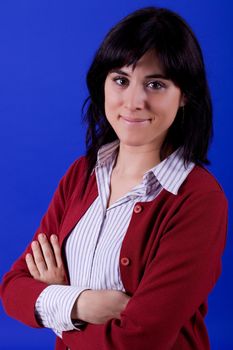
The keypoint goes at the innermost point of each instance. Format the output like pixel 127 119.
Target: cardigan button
pixel 125 261
pixel 137 209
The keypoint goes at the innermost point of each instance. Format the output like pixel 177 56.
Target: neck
pixel 135 161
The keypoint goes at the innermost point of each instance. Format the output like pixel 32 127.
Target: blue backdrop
pixel 45 50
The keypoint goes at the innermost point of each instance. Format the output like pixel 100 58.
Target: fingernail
pixel 54 237
pixel 34 244
pixel 41 236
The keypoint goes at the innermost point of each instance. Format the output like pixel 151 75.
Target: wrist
pixel 80 305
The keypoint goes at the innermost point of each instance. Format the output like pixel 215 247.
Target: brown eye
pixel 121 81
pixel 155 85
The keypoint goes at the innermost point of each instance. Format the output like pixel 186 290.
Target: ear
pixel 183 100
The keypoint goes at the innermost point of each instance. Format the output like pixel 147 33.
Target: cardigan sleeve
pixel 176 282
pixel 19 291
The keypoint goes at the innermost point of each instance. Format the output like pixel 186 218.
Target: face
pixel 141 103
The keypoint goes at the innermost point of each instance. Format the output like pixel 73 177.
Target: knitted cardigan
pixel 169 262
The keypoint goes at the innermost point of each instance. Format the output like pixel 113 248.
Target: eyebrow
pixel 155 75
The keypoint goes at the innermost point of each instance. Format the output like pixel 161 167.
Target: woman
pixel 131 244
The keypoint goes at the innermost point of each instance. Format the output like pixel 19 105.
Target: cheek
pixel 112 102
pixel 168 106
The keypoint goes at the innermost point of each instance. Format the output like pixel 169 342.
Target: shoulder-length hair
pixel 181 57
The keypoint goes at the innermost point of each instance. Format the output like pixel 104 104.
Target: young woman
pixel 131 244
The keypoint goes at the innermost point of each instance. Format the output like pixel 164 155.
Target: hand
pixel 45 262
pixel 99 306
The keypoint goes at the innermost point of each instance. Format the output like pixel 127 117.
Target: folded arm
pixel 59 306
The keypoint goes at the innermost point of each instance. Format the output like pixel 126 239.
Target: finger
pixel 47 251
pixel 32 266
pixel 56 250
pixel 38 257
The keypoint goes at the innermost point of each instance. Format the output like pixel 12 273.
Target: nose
pixel 135 97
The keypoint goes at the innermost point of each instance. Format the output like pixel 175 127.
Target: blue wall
pixel 45 49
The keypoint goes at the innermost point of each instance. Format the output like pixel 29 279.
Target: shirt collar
pixel 170 173
pixel 107 153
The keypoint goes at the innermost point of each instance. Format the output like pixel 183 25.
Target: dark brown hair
pixel 181 58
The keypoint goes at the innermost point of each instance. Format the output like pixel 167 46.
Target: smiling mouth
pixel 129 120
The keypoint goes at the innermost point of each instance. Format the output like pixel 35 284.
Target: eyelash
pixel 156 83
pixel 117 79
pixel 159 85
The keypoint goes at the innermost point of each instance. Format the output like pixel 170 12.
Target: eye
pixel 121 81
pixel 155 85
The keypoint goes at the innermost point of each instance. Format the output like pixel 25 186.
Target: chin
pixel 132 143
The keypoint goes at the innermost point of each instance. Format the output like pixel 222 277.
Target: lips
pixel 132 120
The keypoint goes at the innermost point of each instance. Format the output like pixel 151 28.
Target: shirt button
pixel 137 209
pixel 125 261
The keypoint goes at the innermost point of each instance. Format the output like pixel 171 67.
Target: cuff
pixel 54 306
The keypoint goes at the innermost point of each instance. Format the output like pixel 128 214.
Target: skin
pixel 45 263
pixel 141 104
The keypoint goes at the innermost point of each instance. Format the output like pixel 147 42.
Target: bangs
pixel 167 34
pixel 124 51
pixel 128 55
pixel 130 44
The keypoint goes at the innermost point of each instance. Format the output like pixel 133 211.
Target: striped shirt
pixel 93 247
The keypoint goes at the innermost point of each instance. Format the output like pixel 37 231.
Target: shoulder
pixel 77 168
pixel 200 199
pixel 79 165
pixel 202 190
pixel 201 180
pixel 74 176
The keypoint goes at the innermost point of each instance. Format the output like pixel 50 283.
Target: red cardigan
pixel 170 260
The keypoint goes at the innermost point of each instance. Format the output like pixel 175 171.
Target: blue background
pixel 46 48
